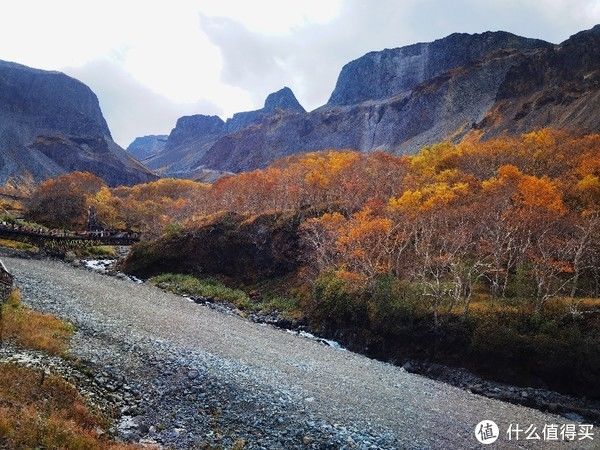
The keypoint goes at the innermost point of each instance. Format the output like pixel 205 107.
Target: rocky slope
pixel 399 100
pixel 51 124
pixel 194 135
pixel 147 146
pixel 384 74
pixel 280 101
pixel 245 247
pixel 188 141
pixel 557 86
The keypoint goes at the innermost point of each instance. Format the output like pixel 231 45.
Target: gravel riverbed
pixel 186 376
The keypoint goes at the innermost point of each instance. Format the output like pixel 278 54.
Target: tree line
pixel 514 215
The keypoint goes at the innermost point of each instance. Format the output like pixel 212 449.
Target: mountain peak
pixel 52 124
pixel 283 99
pixel 146 146
pixel 201 122
pixel 390 72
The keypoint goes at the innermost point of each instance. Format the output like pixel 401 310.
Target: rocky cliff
pixel 557 86
pixel 147 146
pixel 383 74
pixel 282 101
pixel 194 135
pixel 242 246
pixel 399 100
pixel 187 143
pixel 51 124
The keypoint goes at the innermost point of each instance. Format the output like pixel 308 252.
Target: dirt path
pixel 195 369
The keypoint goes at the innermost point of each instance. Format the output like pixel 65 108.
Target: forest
pixel 479 253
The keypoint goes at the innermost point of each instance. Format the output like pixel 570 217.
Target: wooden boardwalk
pixel 51 238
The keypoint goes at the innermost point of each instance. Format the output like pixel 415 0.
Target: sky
pixel 150 62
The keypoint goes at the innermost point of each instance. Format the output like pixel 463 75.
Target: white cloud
pixel 151 61
pixel 133 109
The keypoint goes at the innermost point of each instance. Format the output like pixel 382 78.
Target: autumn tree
pixel 63 201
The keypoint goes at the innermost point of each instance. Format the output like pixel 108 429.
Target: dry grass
pixel 38 410
pixel 43 411
pixel 485 304
pixel 17 245
pixel 28 328
pixel 96 251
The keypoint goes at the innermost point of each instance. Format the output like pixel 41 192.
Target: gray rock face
pixel 446 105
pixel 51 124
pixel 402 99
pixel 194 135
pixel 189 126
pixel 379 75
pixel 147 146
pixel 282 101
pixel 188 141
pixel 557 86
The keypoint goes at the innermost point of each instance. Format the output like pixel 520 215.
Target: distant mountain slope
pixel 194 135
pixel 283 100
pixel 147 146
pixel 187 143
pixel 557 86
pixel 401 99
pixel 51 124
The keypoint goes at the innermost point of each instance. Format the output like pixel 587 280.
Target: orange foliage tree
pixel 62 201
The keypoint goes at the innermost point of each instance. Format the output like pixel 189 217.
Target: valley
pixel 383 248
pixel 192 369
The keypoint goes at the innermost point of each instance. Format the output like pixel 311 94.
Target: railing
pixel 115 237
pixel 6 277
pixel 6 282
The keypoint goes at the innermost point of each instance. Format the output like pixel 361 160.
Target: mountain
pixel 384 74
pixel 194 135
pixel 558 86
pixel 147 146
pixel 399 100
pixel 282 100
pixel 187 143
pixel 51 124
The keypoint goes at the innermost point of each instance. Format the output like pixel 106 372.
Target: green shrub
pixel 391 301
pixel 522 284
pixel 96 251
pixel 337 302
pixel 174 229
pixel 288 306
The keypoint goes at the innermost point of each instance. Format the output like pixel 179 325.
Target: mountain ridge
pixel 194 135
pixel 399 100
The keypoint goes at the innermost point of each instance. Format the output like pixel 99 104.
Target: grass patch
pixel 38 410
pixel 288 306
pixel 17 245
pixel 96 251
pixel 211 288
pixel 32 329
